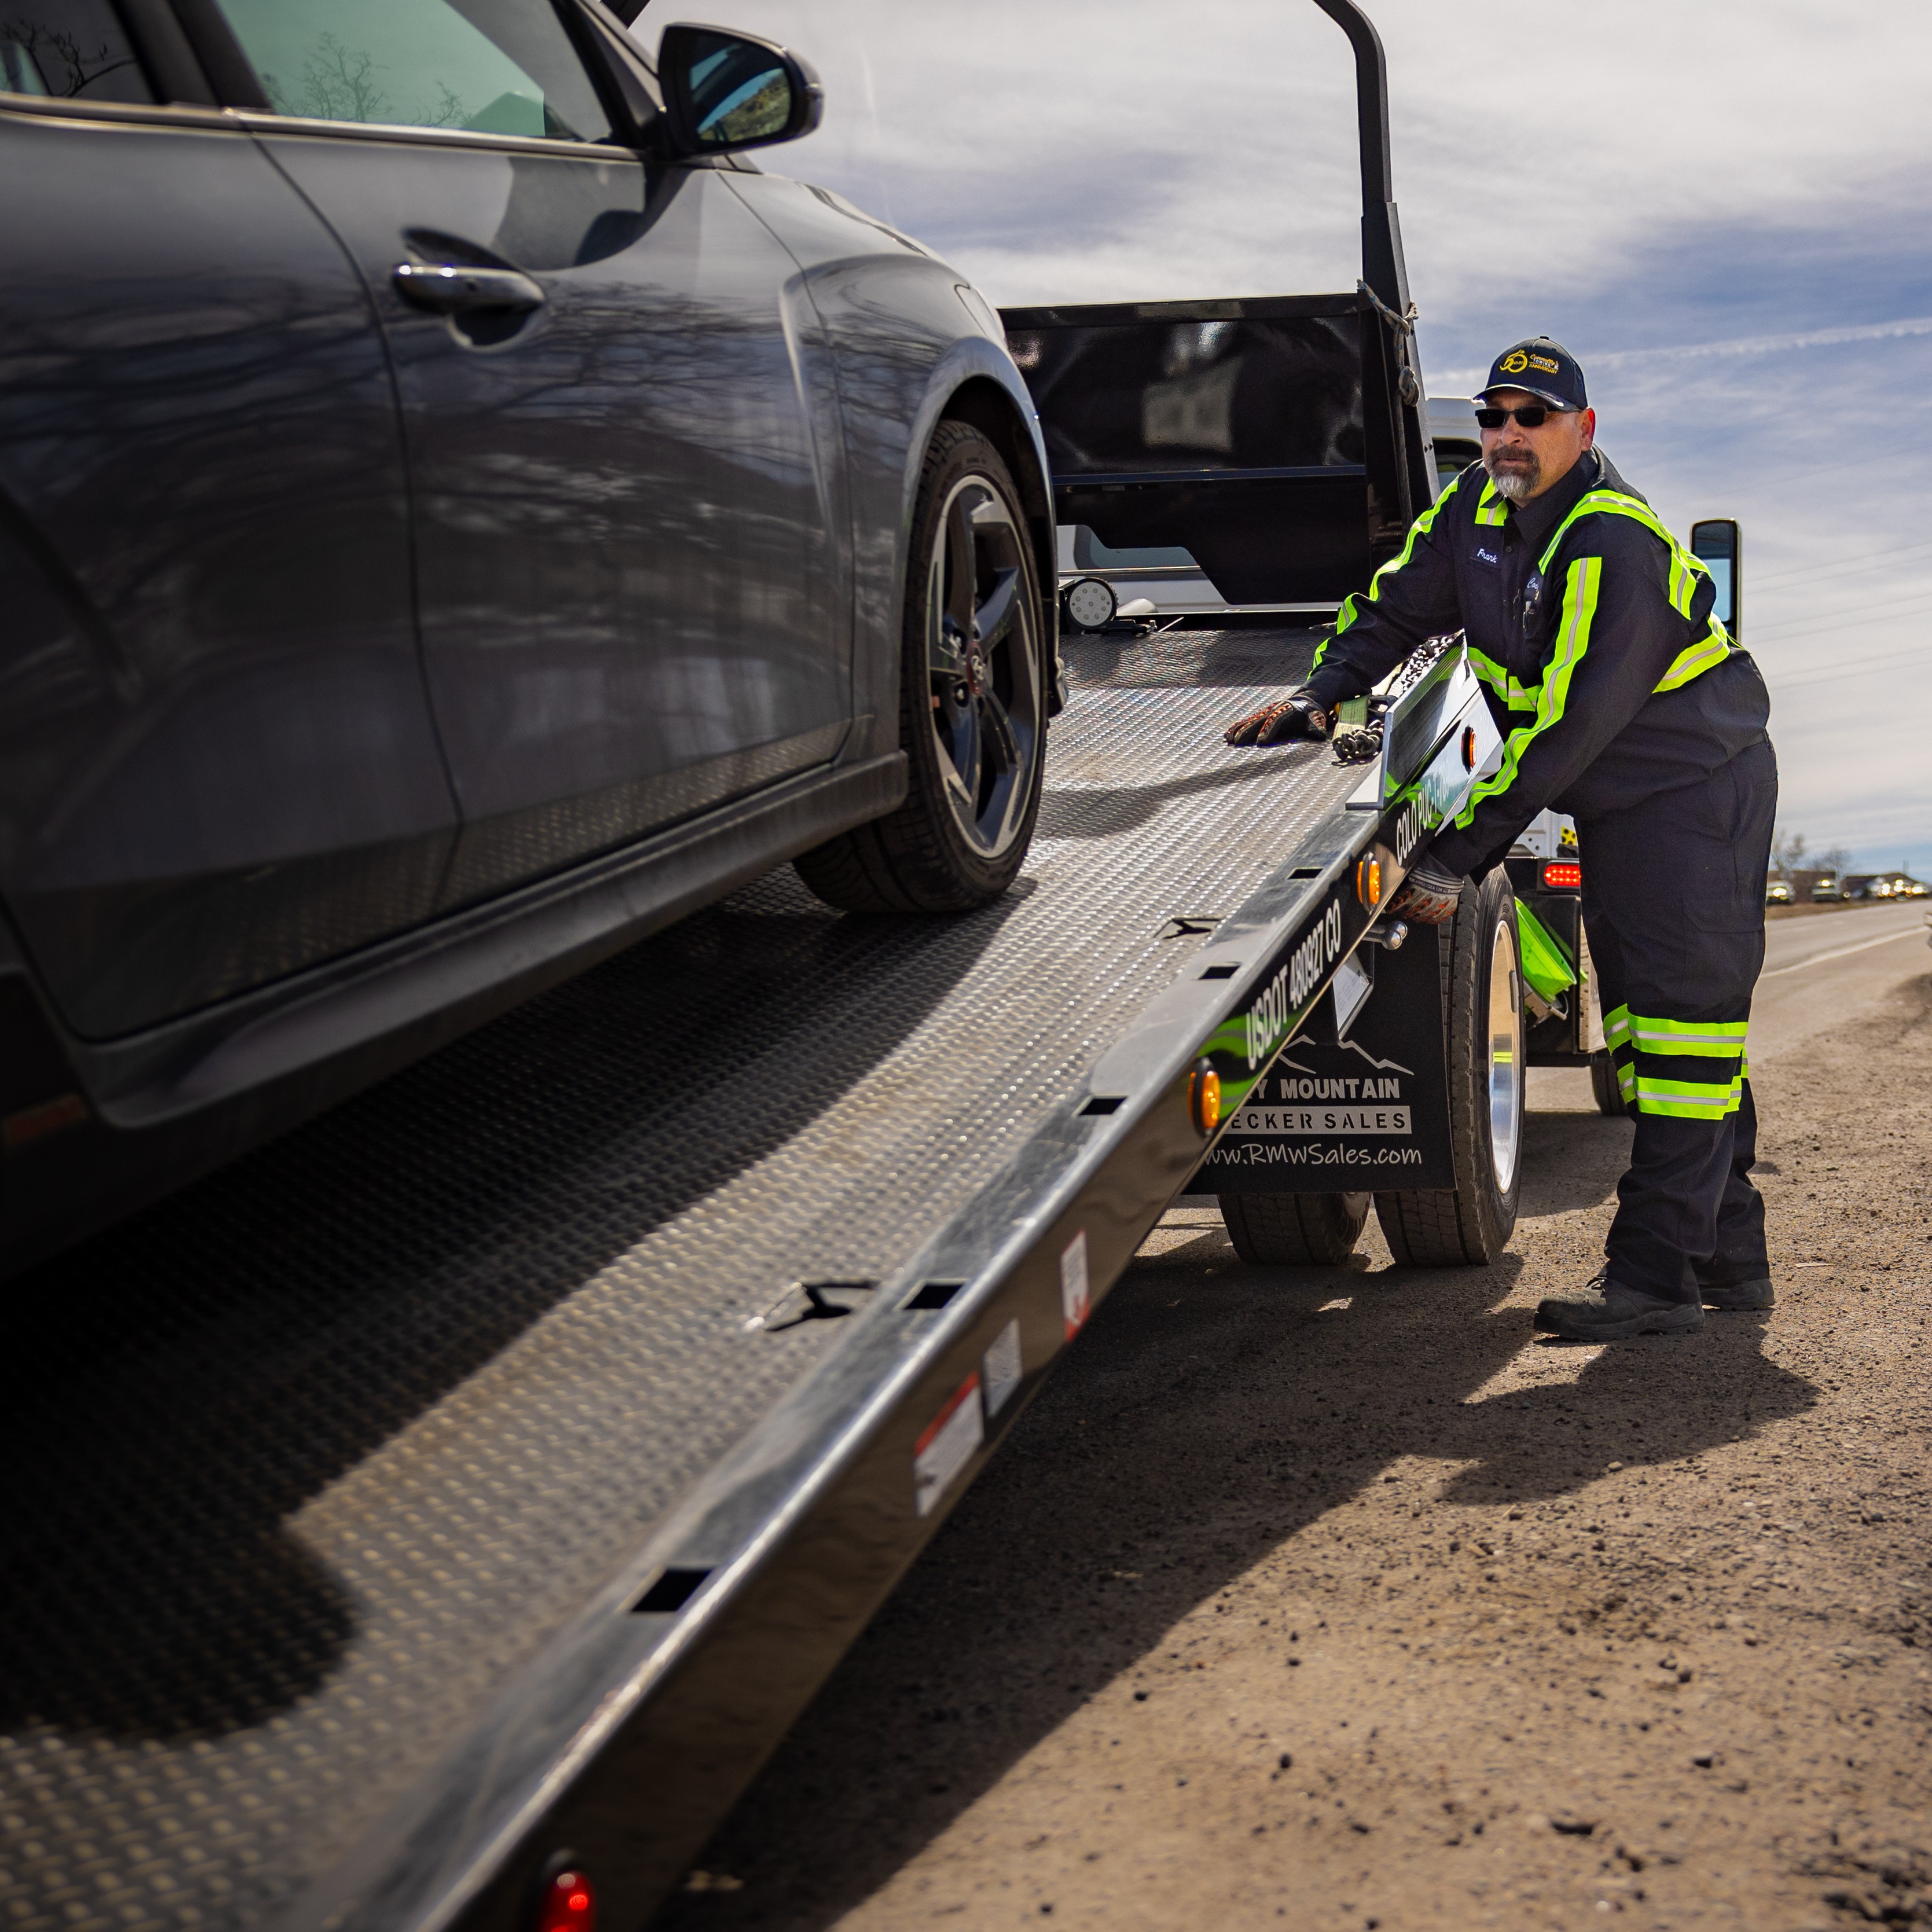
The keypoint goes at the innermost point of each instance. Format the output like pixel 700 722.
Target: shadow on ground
pixel 1211 1412
pixel 1572 1161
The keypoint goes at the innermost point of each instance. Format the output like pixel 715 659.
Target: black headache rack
pixel 1280 440
pixel 1252 433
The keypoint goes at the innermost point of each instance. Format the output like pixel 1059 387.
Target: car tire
pixel 1469 1225
pixel 974 691
pixel 1604 1084
pixel 1294 1230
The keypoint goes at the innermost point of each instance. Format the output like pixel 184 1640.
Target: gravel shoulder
pixel 1332 1596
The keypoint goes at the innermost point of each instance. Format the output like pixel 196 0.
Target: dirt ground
pixel 1332 1596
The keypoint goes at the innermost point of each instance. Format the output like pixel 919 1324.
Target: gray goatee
pixel 1517 480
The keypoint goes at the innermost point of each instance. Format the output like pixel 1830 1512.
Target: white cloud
pixel 1716 206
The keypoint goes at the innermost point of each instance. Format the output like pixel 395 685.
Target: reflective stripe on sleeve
pixel 1696 659
pixel 1517 697
pixel 1715 645
pixel 1580 609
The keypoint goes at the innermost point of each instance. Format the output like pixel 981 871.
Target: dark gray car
pixel 456 513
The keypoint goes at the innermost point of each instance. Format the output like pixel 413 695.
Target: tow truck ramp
pixel 477 1483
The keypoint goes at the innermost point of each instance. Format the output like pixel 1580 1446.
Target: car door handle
pixel 449 290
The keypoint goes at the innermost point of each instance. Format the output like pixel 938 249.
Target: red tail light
pixel 569 1904
pixel 1562 875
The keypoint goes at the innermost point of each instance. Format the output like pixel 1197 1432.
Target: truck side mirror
pixel 725 91
pixel 1719 545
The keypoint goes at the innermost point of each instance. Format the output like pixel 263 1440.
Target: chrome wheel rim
pixel 983 667
pixel 1505 1057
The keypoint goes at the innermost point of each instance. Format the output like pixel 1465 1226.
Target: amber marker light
pixel 1468 747
pixel 1204 1096
pixel 1369 882
pixel 1562 875
pixel 568 1904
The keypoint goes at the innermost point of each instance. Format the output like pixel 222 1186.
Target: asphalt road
pixel 1819 970
pixel 1333 1598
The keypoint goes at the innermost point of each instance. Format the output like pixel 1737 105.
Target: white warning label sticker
pixel 947 1445
pixel 1076 1293
pixel 1000 1366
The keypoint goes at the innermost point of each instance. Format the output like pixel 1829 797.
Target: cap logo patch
pixel 1514 363
pixel 1543 362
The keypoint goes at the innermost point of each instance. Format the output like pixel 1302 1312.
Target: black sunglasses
pixel 1531 415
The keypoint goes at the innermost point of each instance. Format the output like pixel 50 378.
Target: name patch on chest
pixel 1486 556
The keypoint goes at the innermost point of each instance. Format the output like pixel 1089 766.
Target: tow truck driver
pixel 1623 702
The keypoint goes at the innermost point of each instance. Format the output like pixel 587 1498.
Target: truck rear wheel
pixel 1604 1084
pixel 1294 1230
pixel 972 701
pixel 1469 1224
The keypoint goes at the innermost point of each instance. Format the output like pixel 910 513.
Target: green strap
pixel 1349 611
pixel 1491 507
pixel 1617 1027
pixel 1572 640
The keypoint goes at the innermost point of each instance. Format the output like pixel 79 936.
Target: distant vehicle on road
pixel 457 514
pixel 1900 885
pixel 1828 889
pixel 1778 891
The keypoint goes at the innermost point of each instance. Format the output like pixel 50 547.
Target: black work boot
pixel 1603 1310
pixel 1758 1293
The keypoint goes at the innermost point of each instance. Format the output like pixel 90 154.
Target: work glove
pixel 1300 714
pixel 1430 894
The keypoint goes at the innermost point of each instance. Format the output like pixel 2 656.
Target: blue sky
pixel 1720 209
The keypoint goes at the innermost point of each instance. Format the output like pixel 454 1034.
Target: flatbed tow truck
pixel 434 1520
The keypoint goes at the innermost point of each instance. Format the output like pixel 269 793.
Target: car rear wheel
pixel 1471 1223
pixel 972 702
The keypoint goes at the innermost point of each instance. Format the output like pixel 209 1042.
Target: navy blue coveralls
pixel 1624 702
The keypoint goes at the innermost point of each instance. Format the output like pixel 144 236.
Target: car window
pixel 491 67
pixel 67 50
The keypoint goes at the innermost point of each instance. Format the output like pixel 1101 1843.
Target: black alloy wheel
pixel 983 666
pixel 972 701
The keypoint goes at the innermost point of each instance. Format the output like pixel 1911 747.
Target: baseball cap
pixel 1544 368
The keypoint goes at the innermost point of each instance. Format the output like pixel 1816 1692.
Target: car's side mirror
pixel 723 91
pixel 1719 545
